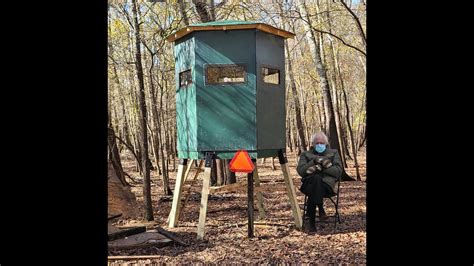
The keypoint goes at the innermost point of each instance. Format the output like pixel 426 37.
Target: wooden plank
pixel 270 29
pixel 139 257
pixel 126 232
pixel 170 236
pixel 242 185
pixel 204 198
pixel 147 224
pixel 269 187
pixel 188 192
pixel 111 228
pixel 177 195
pixel 264 224
pixel 290 189
pixel 260 26
pixel 261 210
pixel 140 240
pixel 184 190
pixel 114 216
pixel 188 169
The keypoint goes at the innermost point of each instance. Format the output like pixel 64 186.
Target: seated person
pixel 320 168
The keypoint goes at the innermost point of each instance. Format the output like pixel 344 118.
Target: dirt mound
pixel 120 198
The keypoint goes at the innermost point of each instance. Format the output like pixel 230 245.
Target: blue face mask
pixel 320 148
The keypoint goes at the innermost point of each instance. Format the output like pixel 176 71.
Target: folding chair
pixel 336 216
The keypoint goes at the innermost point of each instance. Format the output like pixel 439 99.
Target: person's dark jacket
pixel 306 166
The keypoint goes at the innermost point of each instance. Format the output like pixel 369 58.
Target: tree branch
pixel 340 39
pixel 329 33
pixel 126 145
pixel 359 25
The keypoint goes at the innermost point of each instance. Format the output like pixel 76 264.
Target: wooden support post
pixel 178 188
pixel 250 203
pixel 186 197
pixel 180 205
pixel 290 189
pixel 186 192
pixel 261 210
pixel 229 188
pixel 188 169
pixel 204 195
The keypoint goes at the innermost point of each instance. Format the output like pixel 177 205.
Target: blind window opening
pixel 271 75
pixel 223 74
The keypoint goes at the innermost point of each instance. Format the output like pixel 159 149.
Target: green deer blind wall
pixel 185 97
pixel 227 117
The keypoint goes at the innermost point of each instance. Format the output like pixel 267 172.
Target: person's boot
pixel 322 214
pixel 312 225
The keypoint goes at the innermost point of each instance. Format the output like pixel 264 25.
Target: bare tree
pixel 321 70
pixel 143 118
pixel 299 124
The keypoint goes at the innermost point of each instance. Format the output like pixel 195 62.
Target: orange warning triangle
pixel 241 162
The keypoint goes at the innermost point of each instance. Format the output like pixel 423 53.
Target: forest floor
pixel 277 242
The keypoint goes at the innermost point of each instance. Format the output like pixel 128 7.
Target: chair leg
pixel 337 217
pixel 304 208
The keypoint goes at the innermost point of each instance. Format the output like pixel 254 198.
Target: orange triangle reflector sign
pixel 241 162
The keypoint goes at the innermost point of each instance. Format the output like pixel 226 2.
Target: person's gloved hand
pixel 318 160
pixel 318 167
pixel 314 168
pixel 326 163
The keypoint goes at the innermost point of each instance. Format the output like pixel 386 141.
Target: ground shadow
pixel 349 224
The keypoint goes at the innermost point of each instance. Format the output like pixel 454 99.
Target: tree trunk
pixel 133 121
pixel 164 164
pixel 143 119
pixel 321 70
pixel 337 114
pixel 295 138
pixel 219 173
pixel 299 123
pixel 344 138
pixel 126 128
pixel 351 136
pixel 213 11
pixel 182 10
pixel 338 121
pixel 324 123
pixel 361 136
pixel 320 112
pixel 231 179
pixel 354 151
pixel 169 138
pixel 158 148
pixel 358 23
pixel 288 134
pixel 324 83
pixel 214 173
pixel 202 11
pixel 115 156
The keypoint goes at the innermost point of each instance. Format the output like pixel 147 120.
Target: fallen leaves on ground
pixel 226 239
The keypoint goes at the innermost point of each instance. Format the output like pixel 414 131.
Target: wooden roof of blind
pixel 229 25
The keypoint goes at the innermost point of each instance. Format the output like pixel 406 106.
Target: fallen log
pixel 170 236
pixel 126 232
pixel 114 216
